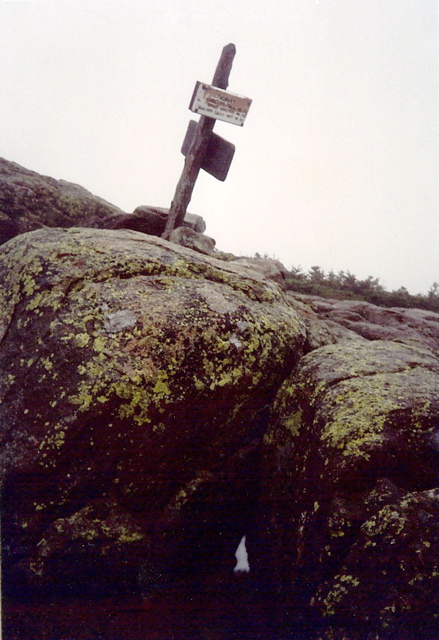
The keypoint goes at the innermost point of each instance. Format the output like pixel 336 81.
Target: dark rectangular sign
pixel 219 153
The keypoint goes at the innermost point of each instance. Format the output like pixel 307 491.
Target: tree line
pixel 344 285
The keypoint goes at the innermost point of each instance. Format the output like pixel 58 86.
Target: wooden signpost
pixel 202 148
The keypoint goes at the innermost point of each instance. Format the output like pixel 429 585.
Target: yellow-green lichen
pixel 294 422
pixel 82 339
pixel 339 591
pixel 161 387
pixel 269 437
pixel 389 521
pixel 355 413
pixel 47 364
pixel 54 439
pixel 139 370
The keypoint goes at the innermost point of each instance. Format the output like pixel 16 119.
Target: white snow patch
pixel 242 557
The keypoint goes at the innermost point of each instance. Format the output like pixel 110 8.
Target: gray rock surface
pixel 352 464
pixel 157 404
pixel 187 237
pixel 30 201
pixel 345 319
pixel 152 220
pixel 135 380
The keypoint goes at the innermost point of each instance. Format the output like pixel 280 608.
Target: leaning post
pixel 194 158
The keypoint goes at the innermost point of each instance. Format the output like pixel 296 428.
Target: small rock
pixel 191 239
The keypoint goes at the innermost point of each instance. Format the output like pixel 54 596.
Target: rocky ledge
pixel 158 404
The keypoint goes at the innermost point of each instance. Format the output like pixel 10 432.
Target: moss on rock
pixel 353 452
pixel 129 364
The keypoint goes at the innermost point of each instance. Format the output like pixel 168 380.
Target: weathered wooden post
pixel 200 142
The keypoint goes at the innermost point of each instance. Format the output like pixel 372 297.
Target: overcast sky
pixel 337 164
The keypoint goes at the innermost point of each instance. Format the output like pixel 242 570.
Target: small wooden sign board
pixel 212 102
pixel 219 153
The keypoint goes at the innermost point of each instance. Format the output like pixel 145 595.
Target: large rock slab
pixel 329 321
pixel 352 477
pixel 157 404
pixel 390 578
pixel 136 377
pixel 30 201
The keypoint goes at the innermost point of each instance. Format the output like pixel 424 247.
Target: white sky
pixel 337 164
